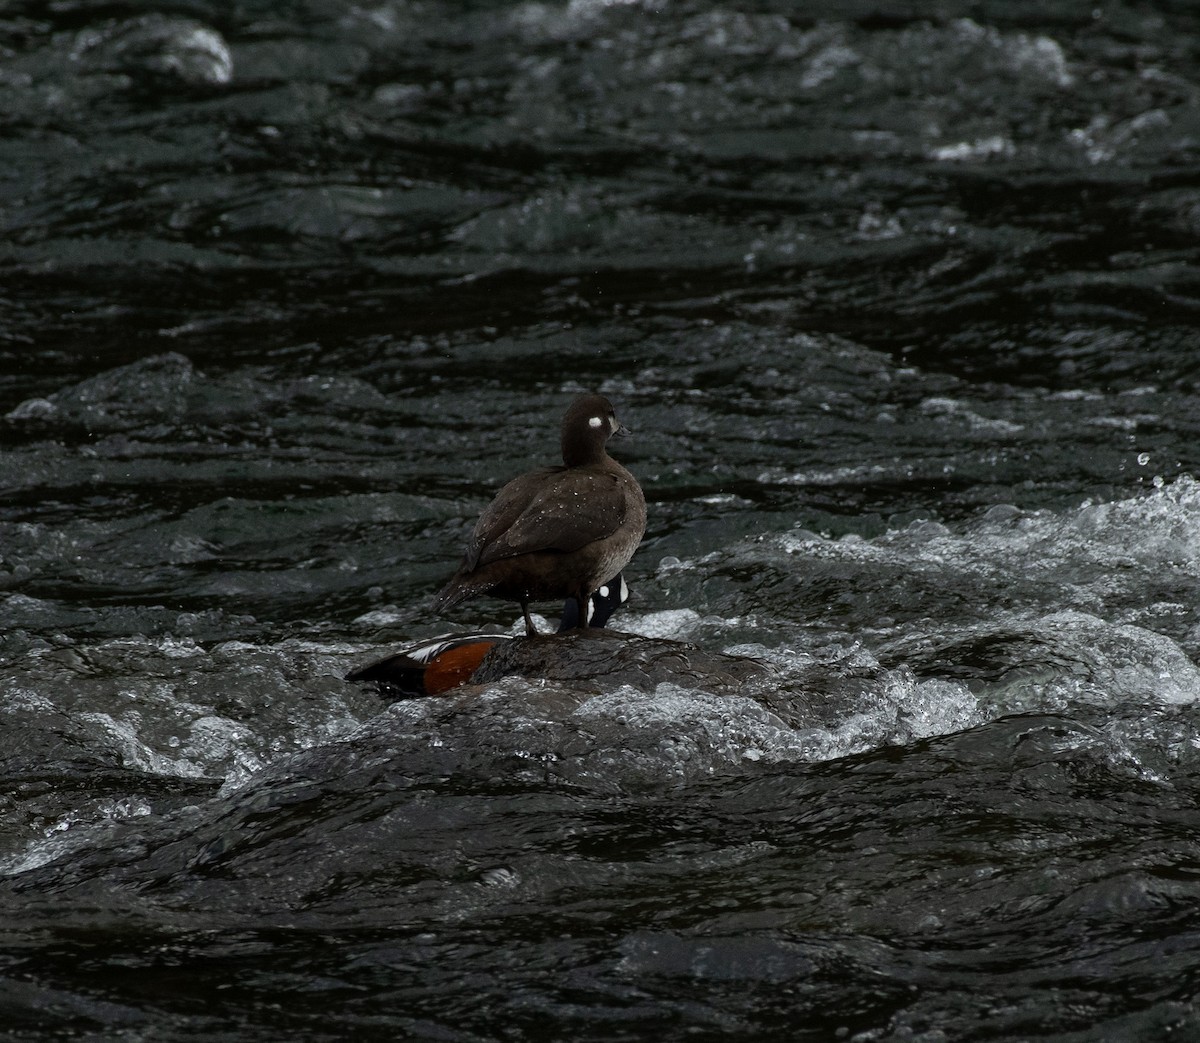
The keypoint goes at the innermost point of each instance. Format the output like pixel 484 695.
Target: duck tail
pixel 458 590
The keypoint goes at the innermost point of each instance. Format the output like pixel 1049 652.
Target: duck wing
pixel 556 509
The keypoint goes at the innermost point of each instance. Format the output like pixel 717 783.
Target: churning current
pixel 900 300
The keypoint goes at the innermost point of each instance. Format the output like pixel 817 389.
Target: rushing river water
pixel 901 301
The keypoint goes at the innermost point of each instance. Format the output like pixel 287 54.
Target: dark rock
pixel 611 657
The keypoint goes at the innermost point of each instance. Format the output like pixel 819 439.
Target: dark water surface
pixel 901 299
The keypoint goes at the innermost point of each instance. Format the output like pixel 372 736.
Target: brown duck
pixel 557 532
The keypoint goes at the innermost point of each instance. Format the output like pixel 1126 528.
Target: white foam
pixel 74 831
pixel 134 752
pixel 697 731
pixel 1130 664
pixel 672 624
pixel 992 147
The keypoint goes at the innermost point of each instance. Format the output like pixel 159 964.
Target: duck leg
pixel 530 629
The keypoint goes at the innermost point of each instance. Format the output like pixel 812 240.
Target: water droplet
pixel 1143 458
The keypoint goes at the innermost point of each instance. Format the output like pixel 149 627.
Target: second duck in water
pixel 557 532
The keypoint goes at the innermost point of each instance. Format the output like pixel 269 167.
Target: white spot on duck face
pixel 595 421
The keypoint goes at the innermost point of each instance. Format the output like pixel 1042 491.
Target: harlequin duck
pixel 443 663
pixel 557 532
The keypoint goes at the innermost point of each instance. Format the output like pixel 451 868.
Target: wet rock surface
pixel 603 658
